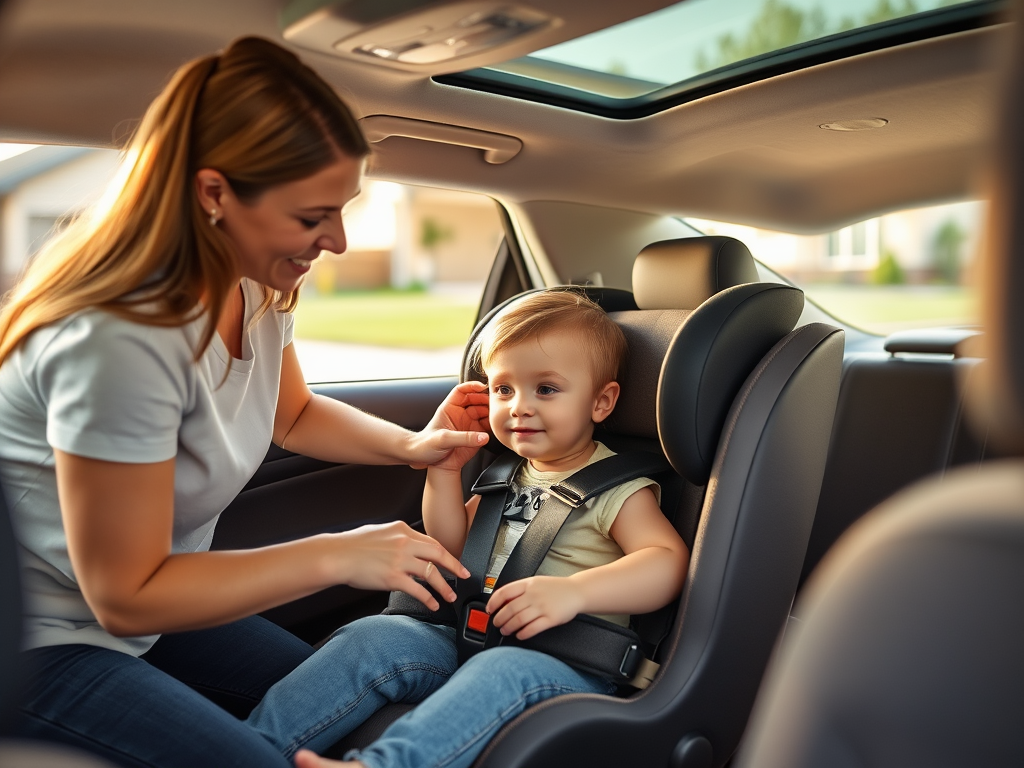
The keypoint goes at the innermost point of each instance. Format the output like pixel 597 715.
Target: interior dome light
pixel 422 37
pixel 863 124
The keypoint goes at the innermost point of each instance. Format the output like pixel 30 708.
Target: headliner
pixel 82 73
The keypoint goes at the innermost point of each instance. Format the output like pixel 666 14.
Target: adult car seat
pixel 742 407
pixel 909 646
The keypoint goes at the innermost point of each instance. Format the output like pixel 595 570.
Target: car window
pixel 399 303
pixel 908 269
pixel 402 300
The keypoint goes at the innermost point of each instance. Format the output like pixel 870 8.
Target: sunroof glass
pixel 695 37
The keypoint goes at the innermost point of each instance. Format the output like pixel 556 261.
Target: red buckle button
pixel 477 621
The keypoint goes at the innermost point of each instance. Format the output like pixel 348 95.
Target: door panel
pixel 292 496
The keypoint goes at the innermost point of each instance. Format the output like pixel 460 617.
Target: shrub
pixel 888 271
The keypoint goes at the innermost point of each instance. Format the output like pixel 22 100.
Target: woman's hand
pixel 389 556
pixel 529 606
pixel 457 431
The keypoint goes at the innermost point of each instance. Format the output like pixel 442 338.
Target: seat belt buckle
pixel 475 621
pixel 637 669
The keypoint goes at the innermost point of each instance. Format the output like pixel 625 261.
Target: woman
pixel 146 364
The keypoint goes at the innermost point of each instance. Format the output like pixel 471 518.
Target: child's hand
pixel 457 431
pixel 529 606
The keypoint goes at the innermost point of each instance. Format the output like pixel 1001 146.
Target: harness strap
pixel 494 487
pixel 586 642
pixel 597 646
pixel 563 499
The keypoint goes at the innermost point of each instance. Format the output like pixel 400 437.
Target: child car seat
pixel 742 409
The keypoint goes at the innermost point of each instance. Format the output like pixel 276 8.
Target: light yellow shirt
pixel 584 541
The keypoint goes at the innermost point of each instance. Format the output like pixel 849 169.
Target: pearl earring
pixel 213 217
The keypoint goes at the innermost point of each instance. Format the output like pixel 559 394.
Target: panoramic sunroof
pixel 628 69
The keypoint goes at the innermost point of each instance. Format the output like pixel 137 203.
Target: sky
pixel 663 46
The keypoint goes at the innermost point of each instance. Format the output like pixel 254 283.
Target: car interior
pixel 784 426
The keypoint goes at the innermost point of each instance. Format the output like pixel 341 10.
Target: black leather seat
pixel 900 418
pixel 742 407
pixel 908 651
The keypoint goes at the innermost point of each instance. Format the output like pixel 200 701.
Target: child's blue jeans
pixel 383 659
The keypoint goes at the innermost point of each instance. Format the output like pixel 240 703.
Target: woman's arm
pixel 650 573
pixel 326 429
pixel 119 520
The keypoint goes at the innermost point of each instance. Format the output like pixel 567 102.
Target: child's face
pixel 543 403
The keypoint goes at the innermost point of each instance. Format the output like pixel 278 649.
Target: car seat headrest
pixel 691 365
pixel 683 368
pixel 684 273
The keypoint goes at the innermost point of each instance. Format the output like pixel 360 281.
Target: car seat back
pixel 745 406
pixel 719 302
pixel 900 418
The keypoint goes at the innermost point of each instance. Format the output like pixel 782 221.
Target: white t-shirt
pixel 98 386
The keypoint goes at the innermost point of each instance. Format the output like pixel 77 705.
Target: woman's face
pixel 279 235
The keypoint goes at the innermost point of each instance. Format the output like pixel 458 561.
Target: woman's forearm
pixel 326 429
pixel 119 520
pixel 205 589
pixel 330 430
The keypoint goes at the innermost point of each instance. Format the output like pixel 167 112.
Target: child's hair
pixel 564 311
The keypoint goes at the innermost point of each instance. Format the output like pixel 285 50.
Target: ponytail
pixel 146 252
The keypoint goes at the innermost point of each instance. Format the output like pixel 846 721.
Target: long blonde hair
pixel 147 252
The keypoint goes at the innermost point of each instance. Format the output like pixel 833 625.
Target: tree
pixel 780 25
pixel 946 247
pixel 433 233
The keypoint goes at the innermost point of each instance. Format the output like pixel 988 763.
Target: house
pixel 399 235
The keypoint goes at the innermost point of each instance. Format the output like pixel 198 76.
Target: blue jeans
pixel 383 659
pixel 147 712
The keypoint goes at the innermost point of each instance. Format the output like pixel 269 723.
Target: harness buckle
pixel 567 496
pixel 475 621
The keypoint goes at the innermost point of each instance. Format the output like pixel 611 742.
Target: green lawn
pixel 408 319
pixel 421 320
pixel 884 309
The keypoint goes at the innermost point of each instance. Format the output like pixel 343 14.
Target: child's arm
pixel 445 518
pixel 648 576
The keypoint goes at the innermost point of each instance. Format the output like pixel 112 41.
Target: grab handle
pixel 497 147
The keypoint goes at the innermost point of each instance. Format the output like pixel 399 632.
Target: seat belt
pixel 586 642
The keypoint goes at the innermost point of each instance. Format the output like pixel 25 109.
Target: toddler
pixel 551 364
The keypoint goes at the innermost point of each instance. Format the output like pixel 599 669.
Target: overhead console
pixel 412 35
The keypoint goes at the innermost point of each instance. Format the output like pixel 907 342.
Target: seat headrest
pixel 684 273
pixel 685 368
